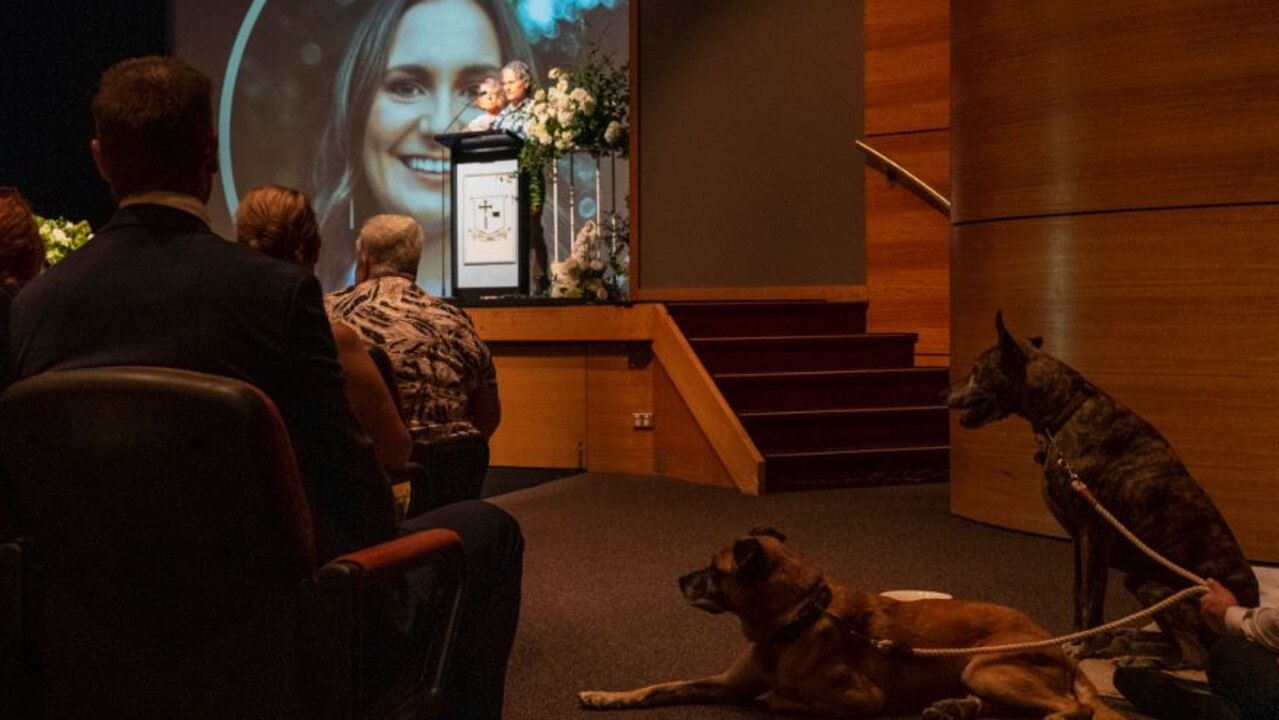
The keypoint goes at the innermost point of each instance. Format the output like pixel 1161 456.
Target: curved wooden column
pixel 1115 179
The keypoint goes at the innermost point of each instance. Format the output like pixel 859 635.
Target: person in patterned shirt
pixel 445 372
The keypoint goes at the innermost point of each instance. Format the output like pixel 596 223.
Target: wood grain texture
pixel 724 431
pixel 1174 313
pixel 614 392
pixel 907 66
pixel 834 293
pixel 568 322
pixel 681 449
pixel 1100 105
pixel 543 393
pixel 908 246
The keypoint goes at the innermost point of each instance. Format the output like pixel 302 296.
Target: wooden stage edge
pixel 575 379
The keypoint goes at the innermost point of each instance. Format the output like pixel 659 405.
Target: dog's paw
pixel 1076 650
pixel 1141 661
pixel 1158 662
pixel 598 699
pixel 1107 645
pixel 953 709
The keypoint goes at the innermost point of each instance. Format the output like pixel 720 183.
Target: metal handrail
pixel 898 174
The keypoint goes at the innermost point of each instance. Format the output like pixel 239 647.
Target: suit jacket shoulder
pixel 156 287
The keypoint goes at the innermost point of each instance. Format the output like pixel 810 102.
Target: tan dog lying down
pixel 810 649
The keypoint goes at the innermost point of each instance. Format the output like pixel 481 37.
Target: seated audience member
pixel 1242 668
pixel 21 258
pixel 279 221
pixel 157 287
pixel 447 380
pixel 491 101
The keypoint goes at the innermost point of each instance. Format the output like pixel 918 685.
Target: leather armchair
pixel 160 561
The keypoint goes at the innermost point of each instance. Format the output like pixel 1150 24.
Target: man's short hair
pixel 154 119
pixel 279 221
pixel 394 241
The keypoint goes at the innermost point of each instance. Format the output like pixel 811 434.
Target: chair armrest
pixel 394 557
pixel 335 610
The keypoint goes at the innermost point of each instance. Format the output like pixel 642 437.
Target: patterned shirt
pixel 513 118
pixel 438 357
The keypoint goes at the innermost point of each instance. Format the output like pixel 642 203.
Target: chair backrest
pixel 164 534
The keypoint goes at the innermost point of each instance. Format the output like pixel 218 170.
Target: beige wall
pixel 747 171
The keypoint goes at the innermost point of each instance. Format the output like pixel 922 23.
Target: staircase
pixel 825 402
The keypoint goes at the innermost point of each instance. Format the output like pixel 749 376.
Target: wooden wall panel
pixel 1099 105
pixel 1115 177
pixel 682 450
pixel 562 323
pixel 615 390
pixel 907 66
pixel 1174 313
pixel 907 247
pixel 543 392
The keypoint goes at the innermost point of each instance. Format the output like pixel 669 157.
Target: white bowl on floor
pixel 912 595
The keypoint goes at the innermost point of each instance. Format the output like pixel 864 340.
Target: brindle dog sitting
pixel 810 649
pixel 1132 471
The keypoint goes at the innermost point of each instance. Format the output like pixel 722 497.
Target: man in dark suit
pixel 157 287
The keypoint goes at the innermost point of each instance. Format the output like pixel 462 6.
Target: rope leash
pixel 1076 484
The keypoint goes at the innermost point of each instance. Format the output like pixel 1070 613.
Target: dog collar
pixel 1053 425
pixel 808 613
pixel 817 607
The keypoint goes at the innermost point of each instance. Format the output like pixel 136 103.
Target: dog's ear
pixel 1008 346
pixel 769 531
pixel 748 556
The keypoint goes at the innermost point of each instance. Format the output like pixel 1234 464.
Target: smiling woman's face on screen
pixel 442 49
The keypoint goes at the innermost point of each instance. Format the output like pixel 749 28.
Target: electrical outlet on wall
pixel 642 420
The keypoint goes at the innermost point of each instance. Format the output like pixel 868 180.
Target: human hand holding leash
pixel 1214 604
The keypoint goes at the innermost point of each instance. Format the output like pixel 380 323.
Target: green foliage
pixel 61 236
pixel 586 108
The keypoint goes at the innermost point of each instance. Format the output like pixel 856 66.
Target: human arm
pixel 371 400
pixel 1222 612
pixel 347 488
pixel 485 409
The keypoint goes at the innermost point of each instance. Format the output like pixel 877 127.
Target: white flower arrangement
pixel 592 270
pixel 61 236
pixel 584 108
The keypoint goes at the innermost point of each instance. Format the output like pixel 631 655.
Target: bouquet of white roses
pixel 61 236
pixel 591 271
pixel 585 108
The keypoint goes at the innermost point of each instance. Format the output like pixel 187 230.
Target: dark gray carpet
pixel 602 609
